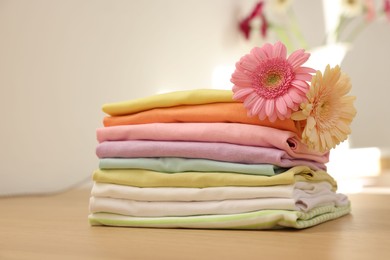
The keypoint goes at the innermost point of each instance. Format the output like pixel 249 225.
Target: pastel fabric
pixel 186 97
pixel 205 113
pixel 203 150
pixel 177 208
pixel 296 191
pixel 145 178
pixel 241 134
pixel 172 164
pixel 195 159
pixel 262 219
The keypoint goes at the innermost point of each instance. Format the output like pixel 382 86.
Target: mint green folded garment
pixel 172 165
pixel 263 219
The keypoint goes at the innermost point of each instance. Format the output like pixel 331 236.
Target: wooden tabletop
pixel 56 227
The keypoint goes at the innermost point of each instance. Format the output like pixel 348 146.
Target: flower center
pixel 272 78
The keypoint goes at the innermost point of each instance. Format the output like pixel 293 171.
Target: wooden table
pixel 56 227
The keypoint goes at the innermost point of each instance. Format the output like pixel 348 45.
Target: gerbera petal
pixel 295 97
pixel 303 76
pixel 269 107
pixel 250 99
pixel 281 106
pixel 241 79
pixel 262 115
pixel 343 127
pixel 240 83
pixel 344 84
pixel 259 54
pixel 287 99
pixel 268 50
pixel 298 116
pixel 273 117
pixel 297 58
pixel 280 50
pixel 301 85
pixel 241 93
pixel 331 76
pixel 257 106
pixel 249 63
pixel 304 70
pixel 328 141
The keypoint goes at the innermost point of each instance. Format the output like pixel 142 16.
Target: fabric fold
pixel 241 134
pixel 211 207
pixel 172 164
pixel 263 219
pixel 296 191
pixel 201 150
pixel 185 97
pixel 205 113
pixel 144 178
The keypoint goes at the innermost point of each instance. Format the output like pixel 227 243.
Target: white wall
pixel 61 60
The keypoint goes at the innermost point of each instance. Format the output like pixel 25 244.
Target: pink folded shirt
pixel 204 150
pixel 242 134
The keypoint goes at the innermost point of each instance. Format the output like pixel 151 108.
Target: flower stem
pixel 283 36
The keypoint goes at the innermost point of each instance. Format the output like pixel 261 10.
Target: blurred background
pixel 61 60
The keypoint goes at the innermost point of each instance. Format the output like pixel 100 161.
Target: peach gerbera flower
pixel 269 84
pixel 329 112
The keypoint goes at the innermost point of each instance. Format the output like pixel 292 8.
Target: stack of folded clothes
pixel 199 159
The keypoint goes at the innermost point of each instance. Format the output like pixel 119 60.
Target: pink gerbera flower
pixel 386 8
pixel 271 85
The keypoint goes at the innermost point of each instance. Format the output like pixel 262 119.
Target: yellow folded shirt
pixel 145 178
pixel 187 97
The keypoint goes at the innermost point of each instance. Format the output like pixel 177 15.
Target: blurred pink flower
pixel 270 84
pixel 245 24
pixel 370 10
pixel 386 8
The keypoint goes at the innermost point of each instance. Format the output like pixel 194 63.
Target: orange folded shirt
pixel 205 113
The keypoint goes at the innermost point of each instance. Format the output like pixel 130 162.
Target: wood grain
pixel 56 227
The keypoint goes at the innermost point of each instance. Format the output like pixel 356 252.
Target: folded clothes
pixel 145 178
pixel 172 164
pixel 187 97
pixel 242 134
pixel 206 113
pixel 293 191
pixel 179 208
pixel 263 219
pixel 202 150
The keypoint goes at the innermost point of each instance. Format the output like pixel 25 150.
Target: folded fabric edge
pixel 263 219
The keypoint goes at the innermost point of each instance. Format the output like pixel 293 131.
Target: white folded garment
pixel 297 190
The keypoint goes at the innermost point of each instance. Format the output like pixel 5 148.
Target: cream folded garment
pixel 298 205
pixel 296 191
pixel 241 134
pixel 263 219
pixel 176 208
pixel 160 202
pixel 202 150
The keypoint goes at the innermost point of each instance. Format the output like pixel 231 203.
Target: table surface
pixel 56 227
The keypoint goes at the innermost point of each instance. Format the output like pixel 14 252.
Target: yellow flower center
pixel 273 80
